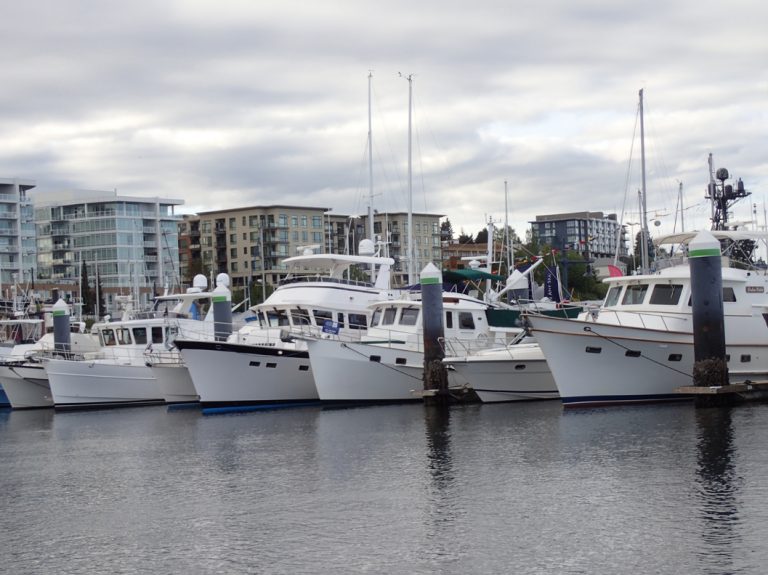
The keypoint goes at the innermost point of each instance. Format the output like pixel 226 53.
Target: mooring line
pixel 605 337
pixel 361 354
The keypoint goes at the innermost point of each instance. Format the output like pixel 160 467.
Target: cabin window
pixel 107 337
pixel 466 321
pixel 389 316
pixel 140 335
pixel 612 297
pixel 675 357
pixel 591 349
pixel 171 332
pixel 376 318
pixel 157 334
pixel 277 318
pixel 634 294
pixel 632 353
pixel 728 296
pixel 321 316
pixel 357 321
pixel 746 358
pixel 300 317
pixel 123 335
pixel 449 320
pixel 409 315
pixel 665 294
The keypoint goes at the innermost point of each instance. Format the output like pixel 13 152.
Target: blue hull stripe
pixel 592 400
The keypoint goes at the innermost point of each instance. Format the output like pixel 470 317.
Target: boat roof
pixel 465 274
pixel 686 237
pixel 331 260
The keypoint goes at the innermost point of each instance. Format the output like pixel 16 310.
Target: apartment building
pixel 251 242
pixel 131 242
pixel 17 234
pixel 391 231
pixel 590 233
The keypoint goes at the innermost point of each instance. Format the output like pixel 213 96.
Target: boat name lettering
pixel 755 289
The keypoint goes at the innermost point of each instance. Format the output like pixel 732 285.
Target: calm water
pixel 523 488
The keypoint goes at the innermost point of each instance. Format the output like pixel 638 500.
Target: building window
pixel 295 221
pixel 232 223
pixel 232 238
pixel 282 220
pixel 303 221
pixel 233 266
pixel 317 221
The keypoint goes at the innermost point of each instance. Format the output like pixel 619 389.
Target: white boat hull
pixel 236 374
pixel 175 383
pixel 94 383
pixel 26 385
pixel 517 373
pixel 358 372
pixel 597 364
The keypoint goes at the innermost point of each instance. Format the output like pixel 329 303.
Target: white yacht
pixel 263 362
pixel 515 372
pixel 387 364
pixel 117 373
pixel 638 346
pixel 23 375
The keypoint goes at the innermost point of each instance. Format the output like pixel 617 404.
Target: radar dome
pixel 366 247
pixel 200 281
pixel 222 280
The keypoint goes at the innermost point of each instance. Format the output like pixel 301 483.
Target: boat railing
pixel 318 278
pixel 157 357
pixel 642 319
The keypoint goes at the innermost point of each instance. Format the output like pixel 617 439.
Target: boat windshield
pixel 634 294
pixel 612 298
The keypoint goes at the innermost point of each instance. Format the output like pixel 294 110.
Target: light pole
pixel 330 241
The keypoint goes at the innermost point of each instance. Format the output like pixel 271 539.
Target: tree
pixel 100 291
pixel 446 231
pixel 482 237
pixel 85 288
pixel 465 239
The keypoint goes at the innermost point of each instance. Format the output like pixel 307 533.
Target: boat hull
pixel 517 373
pixel 94 383
pixel 26 386
pixel 236 374
pixel 598 364
pixel 359 372
pixel 175 383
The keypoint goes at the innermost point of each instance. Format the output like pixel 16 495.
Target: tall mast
pixel 411 275
pixel 644 216
pixel 507 239
pixel 370 175
pixel 682 208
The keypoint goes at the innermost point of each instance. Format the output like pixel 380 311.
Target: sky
pixel 518 108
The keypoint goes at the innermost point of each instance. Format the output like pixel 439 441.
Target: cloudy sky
pixel 234 103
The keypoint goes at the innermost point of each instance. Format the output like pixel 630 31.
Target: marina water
pixel 505 488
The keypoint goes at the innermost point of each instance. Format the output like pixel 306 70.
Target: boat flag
pixel 551 286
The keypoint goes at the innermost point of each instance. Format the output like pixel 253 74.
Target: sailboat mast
pixel 411 275
pixel 507 238
pixel 370 175
pixel 682 208
pixel 644 217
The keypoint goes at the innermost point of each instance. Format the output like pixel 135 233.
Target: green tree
pixel 85 288
pixel 446 230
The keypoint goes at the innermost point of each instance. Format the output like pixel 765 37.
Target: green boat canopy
pixel 472 275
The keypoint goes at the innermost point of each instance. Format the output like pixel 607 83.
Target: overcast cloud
pixel 234 103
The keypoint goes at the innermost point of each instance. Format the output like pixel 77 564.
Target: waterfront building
pixel 391 231
pixel 130 242
pixel 592 234
pixel 250 243
pixel 17 234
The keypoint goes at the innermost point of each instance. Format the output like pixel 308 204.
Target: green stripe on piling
pixel 704 253
pixel 59 312
pixel 219 298
pixel 429 281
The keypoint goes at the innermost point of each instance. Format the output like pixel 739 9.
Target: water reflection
pixel 718 488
